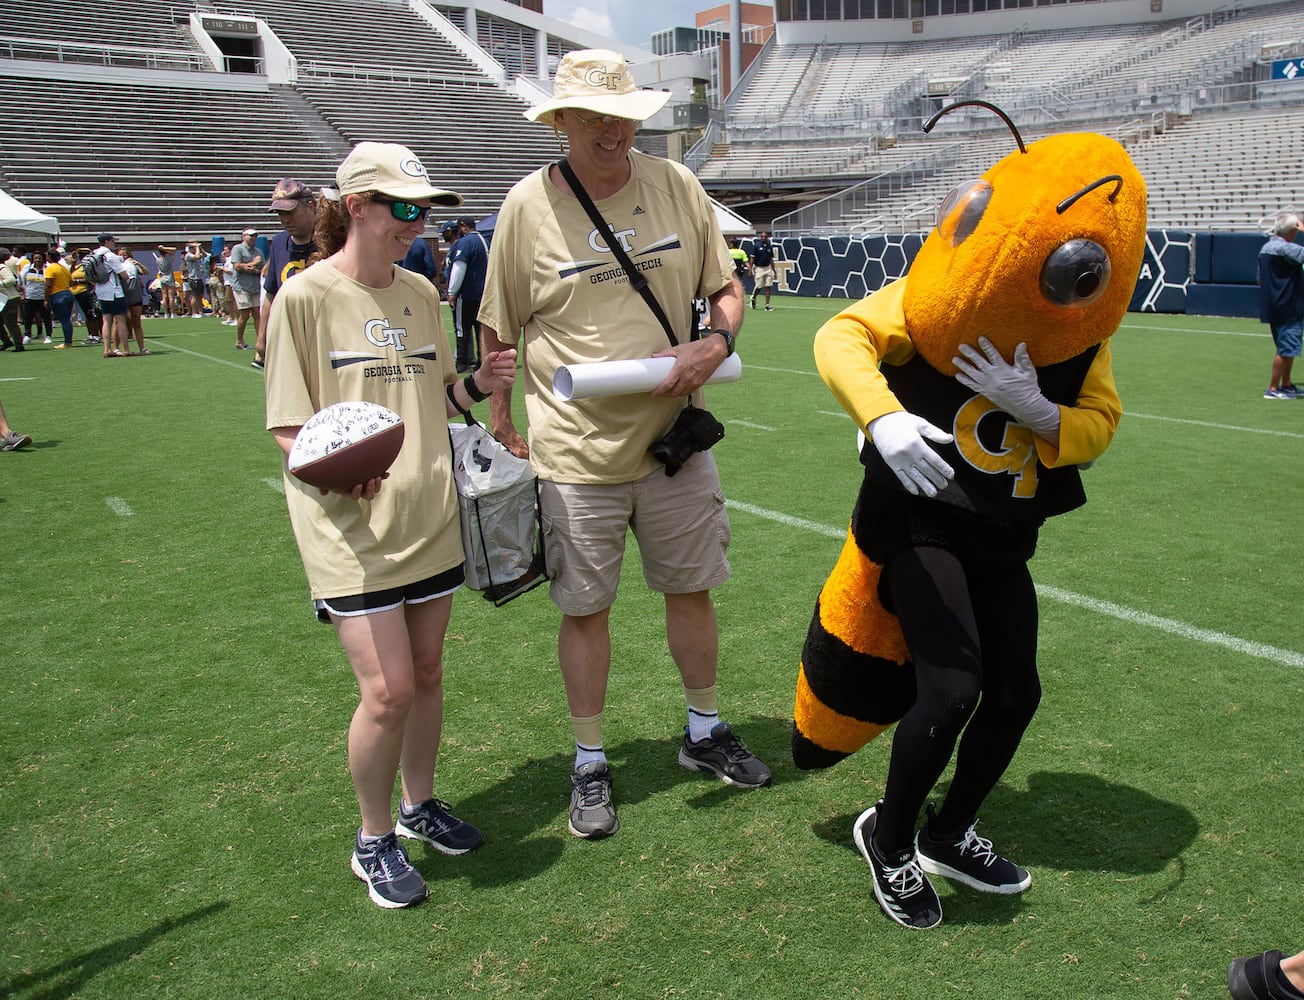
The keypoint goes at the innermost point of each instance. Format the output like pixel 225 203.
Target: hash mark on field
pixel 118 506
pixel 19 378
pixel 1207 636
pixel 756 427
pixel 1217 427
pixel 277 484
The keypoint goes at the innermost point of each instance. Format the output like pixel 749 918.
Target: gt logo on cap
pixel 599 77
pixel 412 167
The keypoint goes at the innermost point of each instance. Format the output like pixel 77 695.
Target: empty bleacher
pixel 853 114
pixel 171 156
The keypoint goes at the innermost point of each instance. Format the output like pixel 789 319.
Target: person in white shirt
pixel 112 298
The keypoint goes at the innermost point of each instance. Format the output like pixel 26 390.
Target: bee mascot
pixel 982 383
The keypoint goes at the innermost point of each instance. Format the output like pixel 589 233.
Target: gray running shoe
pixel 726 756
pixel 12 441
pixel 592 813
pixel 391 880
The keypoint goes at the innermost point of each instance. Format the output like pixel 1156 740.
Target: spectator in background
pixel 58 292
pixel 10 334
pixel 133 290
pixel 1281 302
pixel 468 261
pixel 11 440
pixel 170 304
pixel 449 235
pixel 420 259
pixel 763 269
pixel 196 264
pixel 739 256
pixel 84 294
pixel 247 269
pixel 288 253
pixel 35 307
pixel 111 297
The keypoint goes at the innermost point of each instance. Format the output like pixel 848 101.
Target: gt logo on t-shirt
pixel 380 333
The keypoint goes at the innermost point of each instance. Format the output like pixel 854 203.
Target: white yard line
pixel 208 357
pixel 1209 637
pixel 1213 426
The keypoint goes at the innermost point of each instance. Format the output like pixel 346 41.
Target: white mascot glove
pixel 1013 388
pixel 899 438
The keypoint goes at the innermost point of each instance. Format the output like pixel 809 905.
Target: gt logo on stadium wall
pixel 1018 449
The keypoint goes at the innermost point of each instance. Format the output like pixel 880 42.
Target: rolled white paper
pixel 617 378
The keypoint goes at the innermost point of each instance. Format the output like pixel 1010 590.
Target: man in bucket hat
pixel 555 287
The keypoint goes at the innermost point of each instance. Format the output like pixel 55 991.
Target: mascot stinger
pixel 982 382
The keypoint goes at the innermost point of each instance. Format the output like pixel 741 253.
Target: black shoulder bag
pixel 694 429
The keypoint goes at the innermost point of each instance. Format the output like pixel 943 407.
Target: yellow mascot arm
pixel 850 347
pixel 1087 427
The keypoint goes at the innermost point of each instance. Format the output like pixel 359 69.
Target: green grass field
pixel 176 815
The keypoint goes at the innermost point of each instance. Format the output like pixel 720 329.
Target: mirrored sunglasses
pixel 404 211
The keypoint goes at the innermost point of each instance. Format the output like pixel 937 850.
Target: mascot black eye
pixel 1076 274
pixel 962 210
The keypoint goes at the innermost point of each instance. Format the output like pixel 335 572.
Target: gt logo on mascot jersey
pixel 1019 457
pixel 380 333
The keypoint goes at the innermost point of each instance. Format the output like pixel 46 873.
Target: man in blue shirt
pixel 469 260
pixel 420 259
pixel 763 269
pixel 288 254
pixel 1281 302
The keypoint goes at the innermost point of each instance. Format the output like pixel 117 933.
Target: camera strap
pixel 636 277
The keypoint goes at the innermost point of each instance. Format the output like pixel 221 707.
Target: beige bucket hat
pixel 598 80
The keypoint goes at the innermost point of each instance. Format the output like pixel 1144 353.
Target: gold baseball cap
pixel 389 169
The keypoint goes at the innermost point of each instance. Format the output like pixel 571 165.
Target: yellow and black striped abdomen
pixel 855 677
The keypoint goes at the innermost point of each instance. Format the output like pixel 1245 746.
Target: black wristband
pixel 473 390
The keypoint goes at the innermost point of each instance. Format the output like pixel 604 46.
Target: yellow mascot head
pixel 1044 249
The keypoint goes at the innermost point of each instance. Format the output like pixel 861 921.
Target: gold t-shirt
pixel 331 339
pixel 552 276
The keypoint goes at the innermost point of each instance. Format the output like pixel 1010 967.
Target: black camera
pixel 694 430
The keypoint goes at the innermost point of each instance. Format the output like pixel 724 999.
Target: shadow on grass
pixel 67 978
pixel 524 813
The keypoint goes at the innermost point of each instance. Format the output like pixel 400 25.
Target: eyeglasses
pixel 404 211
pixel 600 123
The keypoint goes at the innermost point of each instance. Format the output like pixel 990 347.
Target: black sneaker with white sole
pixel 391 880
pixel 900 886
pixel 433 821
pixel 969 860
pixel 726 756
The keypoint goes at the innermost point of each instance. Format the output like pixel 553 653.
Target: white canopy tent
pixel 20 224
pixel 731 223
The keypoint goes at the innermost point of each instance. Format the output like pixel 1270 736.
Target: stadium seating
pixel 815 117
pixel 172 157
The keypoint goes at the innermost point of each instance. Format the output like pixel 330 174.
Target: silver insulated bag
pixel 499 500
